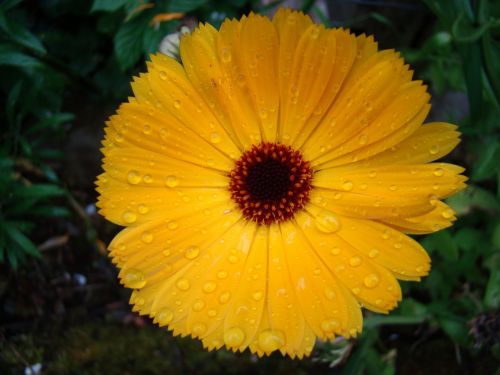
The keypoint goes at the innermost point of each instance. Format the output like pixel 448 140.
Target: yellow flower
pixel 267 182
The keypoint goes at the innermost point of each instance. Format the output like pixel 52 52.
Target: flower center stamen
pixel 270 183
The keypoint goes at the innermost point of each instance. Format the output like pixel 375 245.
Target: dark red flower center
pixel 270 183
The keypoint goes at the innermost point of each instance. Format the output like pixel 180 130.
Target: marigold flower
pixel 268 184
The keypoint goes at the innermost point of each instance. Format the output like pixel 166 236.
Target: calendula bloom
pixel 268 183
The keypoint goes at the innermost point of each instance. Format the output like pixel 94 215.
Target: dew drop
pixel 225 55
pixel 129 217
pixel 448 213
pixel 347 185
pixel 234 337
pixel 386 234
pixel 372 173
pixel 192 252
pixel 212 313
pixel 198 305
pixel 177 104
pixel 373 253
pixel 164 316
pixel 133 278
pixel 434 149
pixel 335 250
pixel 232 259
pixel 163 75
pixel 172 225
pixel 327 222
pixel 209 287
pixel 183 284
pixel 329 325
pixel 371 281
pixel 171 181
pixel 363 139
pixel 355 261
pixel 221 275
pixel 330 293
pixel 146 129
pixel 199 329
pixel 147 237
pixel 133 177
pixel 270 341
pixel 224 297
pixel 356 290
pixel 142 209
pixel 215 137
pixel 438 172
pixel 257 296
pixel 147 178
pixel 314 33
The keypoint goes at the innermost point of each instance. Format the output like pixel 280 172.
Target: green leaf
pixel 23 241
pixel 8 4
pixel 12 57
pixel 20 34
pixel 468 238
pixel 39 191
pixel 107 5
pixel 454 327
pixel 492 293
pixel 488 163
pixel 471 198
pixel 50 211
pixel 445 245
pixel 10 107
pixel 185 5
pixel 491 58
pixel 379 320
pixel 128 42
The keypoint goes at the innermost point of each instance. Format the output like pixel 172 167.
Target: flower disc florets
pixel 270 182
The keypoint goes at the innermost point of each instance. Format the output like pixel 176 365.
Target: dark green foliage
pixel 65 65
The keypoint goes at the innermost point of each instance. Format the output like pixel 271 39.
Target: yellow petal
pixel 441 217
pixel 167 88
pixel 392 185
pixel 313 283
pixel 389 248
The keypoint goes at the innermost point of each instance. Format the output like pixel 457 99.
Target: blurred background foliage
pixel 66 64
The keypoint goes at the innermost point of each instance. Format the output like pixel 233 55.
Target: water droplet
pixel 199 329
pixel 347 185
pixel 234 337
pixel 166 252
pixel 438 172
pixel 163 75
pixel 373 253
pixel 192 252
pixel 386 234
pixel 363 139
pixel 355 261
pixel 448 213
pixel 146 129
pixel 335 250
pixel 372 173
pixel 314 33
pixel 232 259
pixel 133 177
pixel 133 278
pixel 183 284
pixel 177 104
pixel 393 187
pixel 329 325
pixel 371 281
pixel 198 305
pixel 212 313
pixel 142 209
pixel 129 217
pixel 209 287
pixel 147 179
pixel 147 237
pixel 327 222
pixel 434 149
pixel 171 181
pixel 257 296
pixel 172 225
pixel 420 269
pixel 224 297
pixel 215 137
pixel 329 293
pixel 356 290
pixel 398 245
pixel 225 55
pixel 221 275
pixel 270 341
pixel 164 316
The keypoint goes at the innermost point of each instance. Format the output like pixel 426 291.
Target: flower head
pixel 268 184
